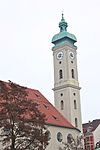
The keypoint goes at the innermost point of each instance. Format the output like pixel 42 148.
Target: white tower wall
pixel 66 85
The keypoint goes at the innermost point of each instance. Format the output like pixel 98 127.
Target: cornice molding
pixel 65 86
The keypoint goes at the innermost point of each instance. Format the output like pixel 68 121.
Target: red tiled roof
pixel 53 116
pixel 93 125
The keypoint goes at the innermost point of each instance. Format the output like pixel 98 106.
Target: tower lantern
pixel 63 25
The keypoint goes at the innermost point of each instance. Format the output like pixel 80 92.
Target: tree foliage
pixel 22 126
pixel 72 144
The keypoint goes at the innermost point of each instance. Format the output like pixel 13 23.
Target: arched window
pixel 61 94
pixel 48 134
pixel 74 94
pixel 76 123
pixel 59 137
pixel 75 105
pixel 72 71
pixel 60 74
pixel 70 138
pixel 62 105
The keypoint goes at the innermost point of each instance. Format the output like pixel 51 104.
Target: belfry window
pixel 76 124
pixel 72 72
pixel 60 74
pixel 75 105
pixel 62 104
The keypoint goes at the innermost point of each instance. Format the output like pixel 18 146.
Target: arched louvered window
pixel 76 122
pixel 62 104
pixel 75 105
pixel 60 74
pixel 72 72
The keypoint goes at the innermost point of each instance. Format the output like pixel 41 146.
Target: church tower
pixel 66 85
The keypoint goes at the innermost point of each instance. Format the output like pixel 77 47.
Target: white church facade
pixel 64 118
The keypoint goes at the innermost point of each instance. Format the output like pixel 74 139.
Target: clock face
pixel 60 55
pixel 71 54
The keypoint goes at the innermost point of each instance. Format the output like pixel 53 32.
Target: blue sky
pixel 26 30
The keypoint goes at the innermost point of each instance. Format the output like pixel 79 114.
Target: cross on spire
pixel 63 24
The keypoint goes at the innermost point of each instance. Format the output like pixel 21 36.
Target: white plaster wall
pixel 54 143
pixel 67 85
pixel 96 135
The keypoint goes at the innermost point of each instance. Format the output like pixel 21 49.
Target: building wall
pixel 89 141
pixel 67 85
pixel 96 135
pixel 54 143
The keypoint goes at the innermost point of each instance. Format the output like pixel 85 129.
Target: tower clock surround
pixel 60 55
